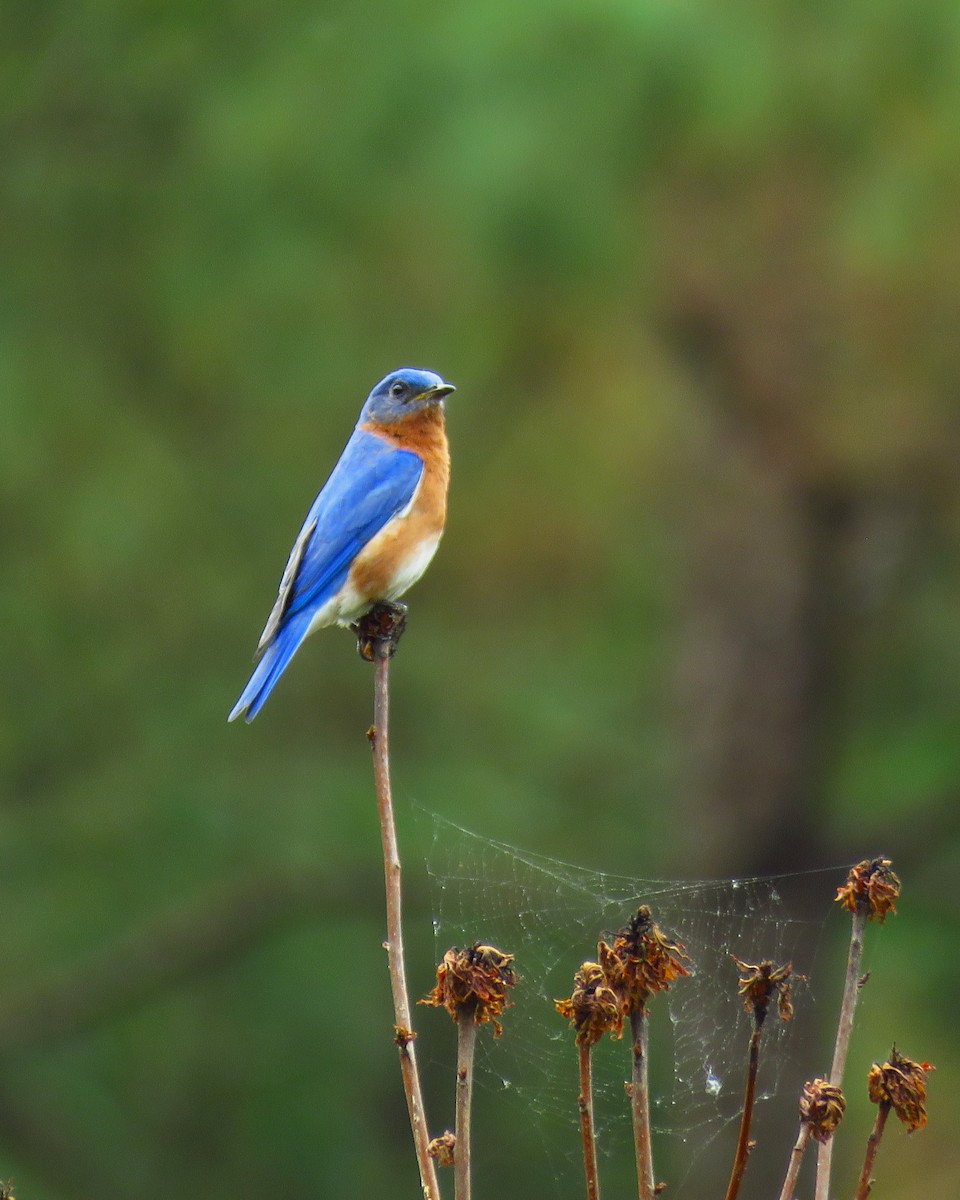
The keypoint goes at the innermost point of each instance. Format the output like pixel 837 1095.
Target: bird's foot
pixel 379 630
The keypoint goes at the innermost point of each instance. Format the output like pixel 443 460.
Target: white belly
pixel 349 604
pixel 412 567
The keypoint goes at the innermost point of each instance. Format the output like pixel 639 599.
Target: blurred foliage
pixel 694 269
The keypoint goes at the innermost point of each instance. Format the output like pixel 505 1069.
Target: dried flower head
pixel 594 1007
pixel 871 887
pixel 641 961
pixel 473 983
pixel 902 1084
pixel 821 1108
pixel 442 1148
pixel 758 983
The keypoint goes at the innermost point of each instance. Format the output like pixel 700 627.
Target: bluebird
pixel 371 532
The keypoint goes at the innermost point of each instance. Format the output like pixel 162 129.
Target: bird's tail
pixel 269 669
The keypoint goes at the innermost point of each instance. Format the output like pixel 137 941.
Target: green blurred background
pixel 695 269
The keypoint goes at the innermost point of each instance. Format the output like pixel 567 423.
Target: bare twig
pixel 587 1131
pixel 873 1144
pixel 744 1145
pixel 848 1008
pixel 822 1106
pixel 472 985
pixel 640 1103
pixel 641 962
pixel 851 994
pixel 466 1042
pixel 759 983
pixel 869 893
pixel 796 1158
pixel 899 1084
pixel 593 1009
pixel 377 637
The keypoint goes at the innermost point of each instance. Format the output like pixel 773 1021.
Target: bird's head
pixel 403 393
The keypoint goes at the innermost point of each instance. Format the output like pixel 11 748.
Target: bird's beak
pixel 438 392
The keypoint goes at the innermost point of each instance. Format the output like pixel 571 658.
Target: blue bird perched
pixel 371 532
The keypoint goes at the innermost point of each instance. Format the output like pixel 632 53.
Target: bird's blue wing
pixel 372 482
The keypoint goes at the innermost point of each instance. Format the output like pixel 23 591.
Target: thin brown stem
pixel 744 1145
pixel 873 1144
pixel 587 1131
pixel 466 1041
pixel 640 1104
pixel 851 993
pixel 848 1006
pixel 796 1158
pixel 379 737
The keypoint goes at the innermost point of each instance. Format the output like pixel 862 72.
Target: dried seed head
pixel 594 1008
pixel 902 1084
pixel 821 1108
pixel 871 888
pixel 759 981
pixel 473 983
pixel 442 1148
pixel 642 961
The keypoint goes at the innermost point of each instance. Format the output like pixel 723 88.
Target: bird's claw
pixel 379 630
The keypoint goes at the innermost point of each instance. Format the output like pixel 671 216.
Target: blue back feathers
pixel 372 483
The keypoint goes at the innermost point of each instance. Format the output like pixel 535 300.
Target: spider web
pixel 549 914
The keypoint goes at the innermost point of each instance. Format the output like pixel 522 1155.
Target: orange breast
pixel 395 558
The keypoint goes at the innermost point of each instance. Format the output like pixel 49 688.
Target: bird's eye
pixel 398 389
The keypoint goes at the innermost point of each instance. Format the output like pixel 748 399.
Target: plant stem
pixel 586 1121
pixel 873 1143
pixel 640 1104
pixel 379 737
pixel 743 1142
pixel 796 1158
pixel 851 993
pixel 466 1041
